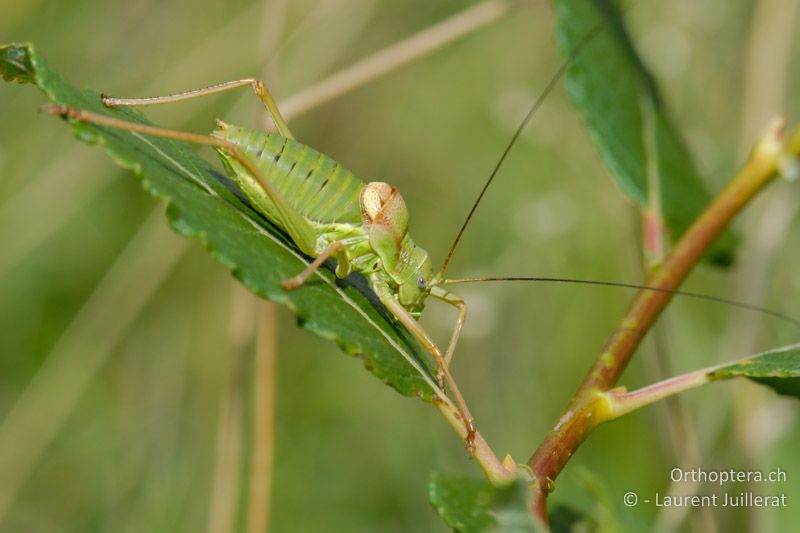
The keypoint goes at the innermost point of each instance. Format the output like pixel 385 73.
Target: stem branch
pixel 588 405
pixel 619 402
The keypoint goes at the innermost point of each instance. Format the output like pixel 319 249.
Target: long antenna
pixel 700 296
pixel 536 105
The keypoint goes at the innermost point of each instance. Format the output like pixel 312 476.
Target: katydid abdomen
pixel 319 188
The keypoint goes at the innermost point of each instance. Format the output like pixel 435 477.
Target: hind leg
pixel 258 87
pixel 298 228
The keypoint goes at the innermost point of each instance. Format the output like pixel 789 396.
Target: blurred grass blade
pixel 203 205
pixel 35 418
pixel 473 505
pixel 398 54
pixel 20 233
pixel 778 369
pixel 629 122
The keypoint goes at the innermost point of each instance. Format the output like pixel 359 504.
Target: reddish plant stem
pixel 579 418
pixel 539 506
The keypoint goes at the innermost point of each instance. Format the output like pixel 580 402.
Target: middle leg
pixel 459 303
pixel 295 281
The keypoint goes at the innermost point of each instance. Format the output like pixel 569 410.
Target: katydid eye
pixel 421 283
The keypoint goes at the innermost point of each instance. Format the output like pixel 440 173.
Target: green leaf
pixel 589 507
pixel 628 119
pixel 567 519
pixel 779 369
pixel 472 505
pixel 204 205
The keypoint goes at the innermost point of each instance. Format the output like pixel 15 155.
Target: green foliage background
pixel 137 452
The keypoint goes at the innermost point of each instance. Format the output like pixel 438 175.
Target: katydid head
pixel 407 265
pixel 413 292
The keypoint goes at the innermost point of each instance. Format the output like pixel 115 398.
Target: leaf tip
pixel 16 62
